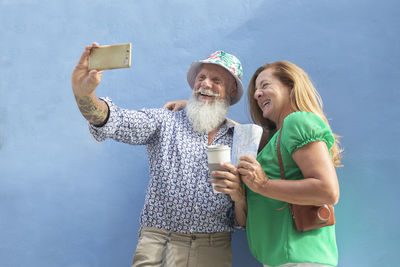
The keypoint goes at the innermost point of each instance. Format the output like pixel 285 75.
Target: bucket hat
pixel 225 60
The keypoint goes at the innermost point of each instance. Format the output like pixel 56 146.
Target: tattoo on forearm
pixel 92 112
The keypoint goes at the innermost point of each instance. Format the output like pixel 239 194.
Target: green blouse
pixel 271 235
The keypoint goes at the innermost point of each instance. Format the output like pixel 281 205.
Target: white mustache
pixel 208 92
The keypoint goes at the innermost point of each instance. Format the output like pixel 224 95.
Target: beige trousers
pixel 163 248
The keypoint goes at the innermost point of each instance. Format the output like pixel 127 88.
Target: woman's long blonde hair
pixel 303 97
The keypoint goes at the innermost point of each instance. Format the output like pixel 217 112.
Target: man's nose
pixel 206 83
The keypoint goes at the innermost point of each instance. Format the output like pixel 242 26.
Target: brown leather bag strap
pixel 280 157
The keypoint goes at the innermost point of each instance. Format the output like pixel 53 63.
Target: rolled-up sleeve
pixel 134 127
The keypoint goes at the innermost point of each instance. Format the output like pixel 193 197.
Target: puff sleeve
pixel 301 128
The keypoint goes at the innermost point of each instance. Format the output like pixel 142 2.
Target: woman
pixel 283 99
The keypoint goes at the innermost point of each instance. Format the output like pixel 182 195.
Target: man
pixel 183 223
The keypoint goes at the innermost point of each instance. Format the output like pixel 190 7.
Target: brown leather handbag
pixel 308 217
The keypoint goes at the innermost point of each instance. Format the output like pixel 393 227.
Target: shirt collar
pixel 230 123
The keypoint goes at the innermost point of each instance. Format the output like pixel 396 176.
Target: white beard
pixel 205 116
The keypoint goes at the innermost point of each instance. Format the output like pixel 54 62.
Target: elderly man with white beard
pixel 183 222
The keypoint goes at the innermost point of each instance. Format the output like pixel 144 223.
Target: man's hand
pixel 84 84
pixel 175 105
pixel 230 179
pixel 235 189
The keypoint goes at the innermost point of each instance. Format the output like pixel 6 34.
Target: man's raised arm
pixel 84 83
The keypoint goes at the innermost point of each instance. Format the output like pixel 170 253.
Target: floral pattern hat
pixel 225 60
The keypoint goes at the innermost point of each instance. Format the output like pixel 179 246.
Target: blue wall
pixel 66 200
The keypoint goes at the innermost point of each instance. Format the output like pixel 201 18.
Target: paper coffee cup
pixel 217 154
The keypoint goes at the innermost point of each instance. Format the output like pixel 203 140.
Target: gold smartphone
pixel 109 57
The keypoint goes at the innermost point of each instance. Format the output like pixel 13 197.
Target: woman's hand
pixel 252 173
pixel 175 105
pixel 319 186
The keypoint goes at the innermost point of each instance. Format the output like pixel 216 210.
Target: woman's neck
pixel 284 114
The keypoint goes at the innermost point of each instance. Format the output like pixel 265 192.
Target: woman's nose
pixel 257 94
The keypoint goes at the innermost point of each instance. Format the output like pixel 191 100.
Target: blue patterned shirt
pixel 179 197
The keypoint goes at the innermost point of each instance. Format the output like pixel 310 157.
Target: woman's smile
pixel 265 106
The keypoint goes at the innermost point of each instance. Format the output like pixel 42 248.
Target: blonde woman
pixel 283 99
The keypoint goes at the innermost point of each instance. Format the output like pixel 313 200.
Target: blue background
pixel 66 200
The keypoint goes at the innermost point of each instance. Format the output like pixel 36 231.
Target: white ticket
pixel 246 139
